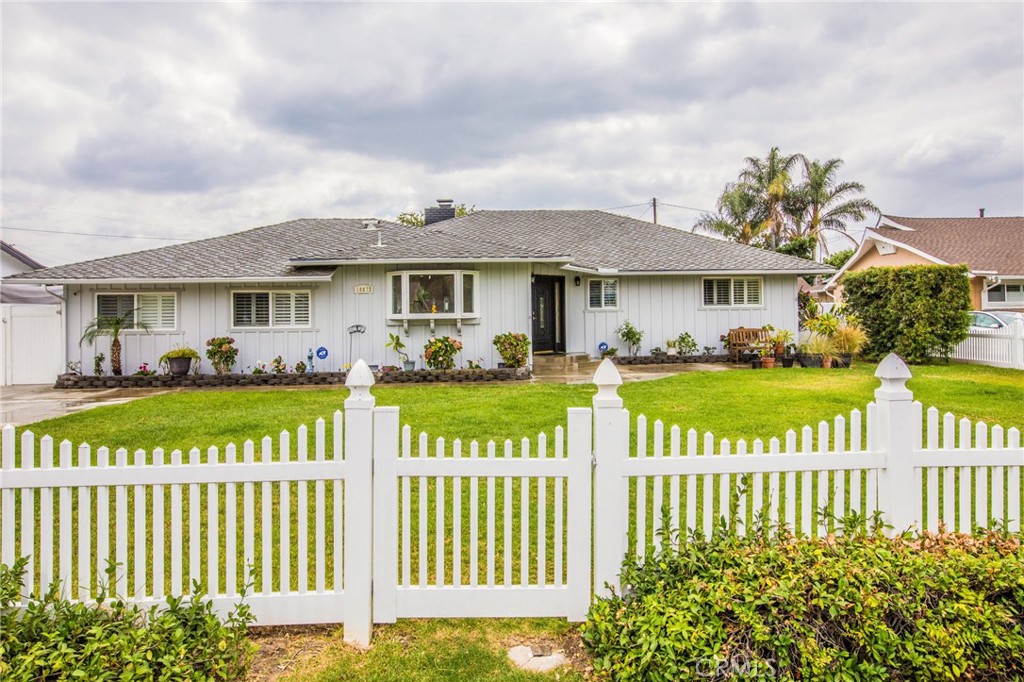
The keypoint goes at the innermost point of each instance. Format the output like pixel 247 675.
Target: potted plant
pixel 631 335
pixel 768 357
pixel 849 339
pixel 788 356
pixel 755 361
pixel 513 347
pixel 178 360
pixel 819 351
pixel 221 353
pixel 779 338
pixel 670 347
pixel 396 344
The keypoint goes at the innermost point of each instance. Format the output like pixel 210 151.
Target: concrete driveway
pixel 20 405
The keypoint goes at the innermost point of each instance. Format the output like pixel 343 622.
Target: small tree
pixel 112 326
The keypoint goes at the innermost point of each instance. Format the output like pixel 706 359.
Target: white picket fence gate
pixel 996 348
pixel 366 530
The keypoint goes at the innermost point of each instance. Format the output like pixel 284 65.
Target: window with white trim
pixel 602 294
pixel 280 309
pixel 1007 293
pixel 159 312
pixel 433 294
pixel 732 291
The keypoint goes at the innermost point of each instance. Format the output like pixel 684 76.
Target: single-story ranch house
pixel 566 278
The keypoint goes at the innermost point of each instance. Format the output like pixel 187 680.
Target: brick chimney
pixel 981 213
pixel 444 210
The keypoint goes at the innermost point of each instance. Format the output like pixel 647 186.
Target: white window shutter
pixel 282 310
pixel 300 317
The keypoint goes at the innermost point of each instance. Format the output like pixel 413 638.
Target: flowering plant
pixel 221 353
pixel 514 348
pixel 144 371
pixel 260 368
pixel 277 365
pixel 439 352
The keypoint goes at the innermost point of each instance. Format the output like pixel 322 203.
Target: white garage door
pixel 32 344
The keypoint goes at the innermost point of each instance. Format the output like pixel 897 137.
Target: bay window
pixel 433 294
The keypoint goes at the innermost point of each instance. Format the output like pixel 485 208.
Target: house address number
pixel 363 289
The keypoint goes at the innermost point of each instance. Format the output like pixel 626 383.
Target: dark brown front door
pixel 548 302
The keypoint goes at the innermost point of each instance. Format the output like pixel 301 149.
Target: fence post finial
pixel 608 380
pixel 893 373
pixel 358 382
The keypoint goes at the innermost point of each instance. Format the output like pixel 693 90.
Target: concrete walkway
pixel 632 373
pixel 21 405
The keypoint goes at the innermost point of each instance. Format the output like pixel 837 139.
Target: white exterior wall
pixel 663 307
pixel 204 311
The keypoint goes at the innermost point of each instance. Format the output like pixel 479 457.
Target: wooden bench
pixel 747 339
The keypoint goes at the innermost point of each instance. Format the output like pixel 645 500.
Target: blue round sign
pixel 321 353
pixel 603 346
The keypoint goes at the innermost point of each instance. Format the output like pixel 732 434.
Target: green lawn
pixel 733 404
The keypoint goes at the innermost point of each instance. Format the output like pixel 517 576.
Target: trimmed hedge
pixel 55 639
pixel 916 311
pixel 851 607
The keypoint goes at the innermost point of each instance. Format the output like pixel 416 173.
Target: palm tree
pixel 826 204
pixel 737 219
pixel 112 326
pixel 770 180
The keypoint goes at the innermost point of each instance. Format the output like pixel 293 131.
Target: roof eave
pixel 449 259
pixel 165 280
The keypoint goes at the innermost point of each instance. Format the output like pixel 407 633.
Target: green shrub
pixel 514 348
pixel 858 606
pixel 55 639
pixel 916 311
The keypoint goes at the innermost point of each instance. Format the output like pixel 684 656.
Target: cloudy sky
pixel 182 121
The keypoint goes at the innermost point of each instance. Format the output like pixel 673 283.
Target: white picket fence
pixel 996 348
pixel 370 529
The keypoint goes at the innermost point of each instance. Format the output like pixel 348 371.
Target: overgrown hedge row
pixel 54 639
pixel 853 607
pixel 916 311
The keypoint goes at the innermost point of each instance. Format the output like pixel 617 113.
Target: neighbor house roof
pixel 28 261
pixel 983 244
pixel 312 248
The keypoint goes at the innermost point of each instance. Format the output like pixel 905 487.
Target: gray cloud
pixel 191 120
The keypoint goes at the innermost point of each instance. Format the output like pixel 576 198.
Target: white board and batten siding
pixel 204 311
pixel 663 307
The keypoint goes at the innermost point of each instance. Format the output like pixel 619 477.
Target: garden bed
pixel 75 381
pixel 667 359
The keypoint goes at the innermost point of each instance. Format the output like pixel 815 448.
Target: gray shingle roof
pixel 311 248
pixel 586 239
pixel 259 253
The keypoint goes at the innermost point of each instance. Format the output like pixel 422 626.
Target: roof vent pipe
pixel 981 213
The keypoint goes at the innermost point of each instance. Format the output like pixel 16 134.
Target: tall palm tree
pixel 737 219
pixel 770 180
pixel 112 326
pixel 827 204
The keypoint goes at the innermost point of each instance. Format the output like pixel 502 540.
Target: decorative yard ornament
pixel 309 365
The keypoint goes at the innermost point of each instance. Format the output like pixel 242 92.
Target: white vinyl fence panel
pixel 996 348
pixel 362 523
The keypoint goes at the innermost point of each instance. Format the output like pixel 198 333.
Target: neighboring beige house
pixel 991 248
